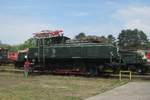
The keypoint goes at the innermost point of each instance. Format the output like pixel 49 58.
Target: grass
pixel 13 86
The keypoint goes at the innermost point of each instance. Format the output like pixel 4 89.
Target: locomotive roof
pixel 56 37
pixel 81 45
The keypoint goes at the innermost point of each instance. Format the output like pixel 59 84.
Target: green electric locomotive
pixel 60 54
pixel 82 57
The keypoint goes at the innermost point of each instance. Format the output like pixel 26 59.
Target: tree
pixel 80 36
pixel 132 39
pixel 103 39
pixel 96 39
pixel 30 43
pixel 148 45
pixel 0 42
pixel 111 39
pixel 93 38
pixel 27 44
pixel 6 46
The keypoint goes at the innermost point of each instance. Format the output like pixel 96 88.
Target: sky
pixel 19 19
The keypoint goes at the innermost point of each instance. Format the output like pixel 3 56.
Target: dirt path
pixel 130 91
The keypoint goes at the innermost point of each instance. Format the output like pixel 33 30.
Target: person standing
pixel 26 68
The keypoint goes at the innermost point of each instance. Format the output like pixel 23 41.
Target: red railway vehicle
pixel 12 56
pixel 148 57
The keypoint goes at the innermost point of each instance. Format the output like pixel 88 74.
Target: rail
pixel 124 72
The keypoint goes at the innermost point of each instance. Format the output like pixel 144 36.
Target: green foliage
pixel 27 44
pixel 111 39
pixel 80 36
pixel 99 39
pixel 6 46
pixel 132 39
pixel 148 45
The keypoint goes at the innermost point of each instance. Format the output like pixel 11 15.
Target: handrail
pixel 121 72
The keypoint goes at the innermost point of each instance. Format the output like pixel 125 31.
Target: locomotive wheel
pixel 142 70
pixel 139 70
pixel 132 68
pixel 93 71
